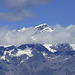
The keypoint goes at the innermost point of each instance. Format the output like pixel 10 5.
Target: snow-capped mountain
pixel 37 58
pixel 44 28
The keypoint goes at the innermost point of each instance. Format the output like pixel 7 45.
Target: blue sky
pixel 51 12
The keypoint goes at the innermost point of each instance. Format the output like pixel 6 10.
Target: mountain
pixel 40 29
pixel 38 58
pixel 44 28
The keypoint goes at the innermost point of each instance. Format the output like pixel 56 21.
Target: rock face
pixel 37 59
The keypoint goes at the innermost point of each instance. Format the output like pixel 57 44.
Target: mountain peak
pixel 41 26
pixel 44 27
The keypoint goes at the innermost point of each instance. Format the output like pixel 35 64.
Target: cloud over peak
pixel 29 35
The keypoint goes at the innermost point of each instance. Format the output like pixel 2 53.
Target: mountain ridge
pixel 37 58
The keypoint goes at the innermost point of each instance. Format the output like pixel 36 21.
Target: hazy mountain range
pixel 40 50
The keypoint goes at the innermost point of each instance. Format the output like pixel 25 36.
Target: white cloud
pixel 59 35
pixel 21 9
pixel 14 37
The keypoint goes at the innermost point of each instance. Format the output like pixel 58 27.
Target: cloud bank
pixel 20 9
pixel 24 36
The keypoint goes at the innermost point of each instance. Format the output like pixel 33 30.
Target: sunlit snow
pixel 48 47
pixel 73 46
